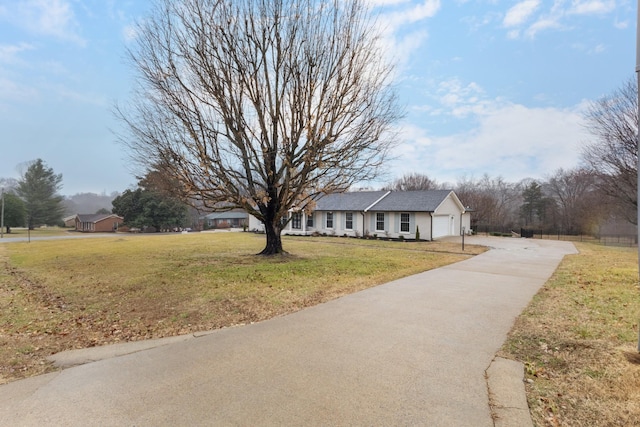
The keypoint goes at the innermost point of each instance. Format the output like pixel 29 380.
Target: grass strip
pixel 578 340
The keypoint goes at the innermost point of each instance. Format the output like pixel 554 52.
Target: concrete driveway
pixel 410 352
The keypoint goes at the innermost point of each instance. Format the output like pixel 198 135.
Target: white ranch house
pixel 436 213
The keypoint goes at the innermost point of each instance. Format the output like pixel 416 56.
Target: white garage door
pixel 442 226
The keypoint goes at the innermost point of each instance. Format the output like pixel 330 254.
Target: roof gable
pixel 356 201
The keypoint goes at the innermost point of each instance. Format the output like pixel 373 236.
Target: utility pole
pixel 2 214
pixel 638 143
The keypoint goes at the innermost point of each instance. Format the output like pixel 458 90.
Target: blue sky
pixel 489 86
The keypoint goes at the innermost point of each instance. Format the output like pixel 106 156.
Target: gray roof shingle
pixel 412 201
pixel 94 217
pixel 394 201
pixel 356 201
pixel 226 215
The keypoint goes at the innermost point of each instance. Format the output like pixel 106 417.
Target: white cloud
pixel 512 141
pixel 555 17
pixel 460 100
pixel 549 23
pixel 416 13
pixel 513 34
pixel 590 7
pixel 9 53
pixel 520 13
pixel 621 25
pixel 494 136
pixel 129 33
pixel 399 39
pixel 46 17
pixel 13 91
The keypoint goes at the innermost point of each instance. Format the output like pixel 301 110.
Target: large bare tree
pixel 261 104
pixel 613 155
pixel 413 181
pixel 494 202
pixel 580 206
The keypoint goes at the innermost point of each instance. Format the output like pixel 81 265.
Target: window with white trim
pixel 310 221
pixel 348 221
pixel 329 223
pixel 404 222
pixel 379 221
pixel 296 220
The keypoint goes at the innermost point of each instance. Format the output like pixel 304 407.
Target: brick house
pixel 98 223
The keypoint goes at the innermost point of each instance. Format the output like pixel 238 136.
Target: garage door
pixel 442 226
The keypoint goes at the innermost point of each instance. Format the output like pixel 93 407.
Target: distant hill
pixel 88 203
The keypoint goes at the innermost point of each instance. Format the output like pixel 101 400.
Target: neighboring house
pixel 98 223
pixel 230 219
pixel 69 221
pixel 435 213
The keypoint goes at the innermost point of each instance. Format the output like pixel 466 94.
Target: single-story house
pixel 98 223
pixel 394 214
pixel 69 221
pixel 229 219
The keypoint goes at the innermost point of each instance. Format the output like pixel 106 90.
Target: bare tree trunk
pixel 274 240
pixel 272 228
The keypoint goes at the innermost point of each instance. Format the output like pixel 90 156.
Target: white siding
pixel 255 224
pixel 454 223
pixel 423 223
pixel 443 225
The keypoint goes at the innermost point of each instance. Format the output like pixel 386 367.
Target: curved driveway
pixel 410 352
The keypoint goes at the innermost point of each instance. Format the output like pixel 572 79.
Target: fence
pixel 630 240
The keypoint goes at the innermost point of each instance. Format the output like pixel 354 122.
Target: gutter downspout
pixel 431 232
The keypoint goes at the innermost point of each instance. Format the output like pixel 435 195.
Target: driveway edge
pixel 507 396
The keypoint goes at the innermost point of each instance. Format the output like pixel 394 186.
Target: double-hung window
pixel 380 221
pixel 329 223
pixel 296 220
pixel 404 222
pixel 310 220
pixel 348 221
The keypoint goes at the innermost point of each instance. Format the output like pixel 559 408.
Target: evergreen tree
pixel 142 208
pixel 38 188
pixel 14 212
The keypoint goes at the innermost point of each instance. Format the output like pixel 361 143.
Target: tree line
pixel 266 105
pixel 33 200
pixel 566 202
pixel 574 201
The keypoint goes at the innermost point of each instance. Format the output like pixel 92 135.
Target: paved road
pixel 410 352
pixel 8 238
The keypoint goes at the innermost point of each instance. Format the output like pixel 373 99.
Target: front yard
pixel 64 294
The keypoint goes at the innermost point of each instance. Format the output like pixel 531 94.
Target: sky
pixel 489 86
